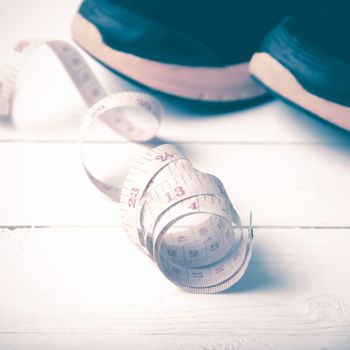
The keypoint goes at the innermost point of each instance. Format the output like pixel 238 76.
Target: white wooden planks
pixel 40 115
pixel 76 282
pixel 284 185
pixel 88 287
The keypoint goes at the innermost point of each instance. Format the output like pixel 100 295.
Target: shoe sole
pixel 224 84
pixel 277 78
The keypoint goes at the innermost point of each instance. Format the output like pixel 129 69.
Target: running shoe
pixel 306 61
pixel 195 49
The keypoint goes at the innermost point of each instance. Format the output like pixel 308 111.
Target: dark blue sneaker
pixel 306 60
pixel 196 49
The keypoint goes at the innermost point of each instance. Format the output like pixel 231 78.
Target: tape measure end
pixel 251 229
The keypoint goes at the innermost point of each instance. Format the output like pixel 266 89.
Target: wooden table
pixel 70 279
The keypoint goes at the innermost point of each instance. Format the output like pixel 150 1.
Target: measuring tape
pixel 182 218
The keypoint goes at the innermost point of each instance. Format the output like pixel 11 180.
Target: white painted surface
pixel 77 283
pixel 89 288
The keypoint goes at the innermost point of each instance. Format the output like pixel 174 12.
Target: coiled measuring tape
pixel 182 218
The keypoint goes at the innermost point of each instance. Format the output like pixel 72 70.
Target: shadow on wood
pixel 258 276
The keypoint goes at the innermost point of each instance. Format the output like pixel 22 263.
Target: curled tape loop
pixel 182 218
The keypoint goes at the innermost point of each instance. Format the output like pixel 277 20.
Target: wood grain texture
pixel 70 279
pixel 85 287
pixel 296 185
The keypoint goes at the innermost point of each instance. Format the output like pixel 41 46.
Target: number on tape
pixel 182 218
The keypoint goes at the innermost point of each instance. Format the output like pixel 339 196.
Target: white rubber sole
pixel 276 77
pixel 230 83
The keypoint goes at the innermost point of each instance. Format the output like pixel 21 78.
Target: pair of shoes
pixel 200 49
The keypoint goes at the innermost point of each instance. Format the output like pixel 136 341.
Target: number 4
pixel 193 206
pixel 165 156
